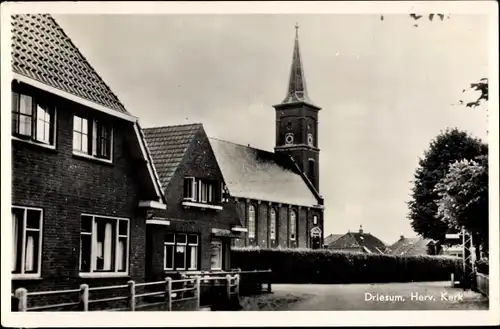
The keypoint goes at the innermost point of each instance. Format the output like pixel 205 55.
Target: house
pixel 277 193
pixel 358 242
pixel 82 177
pixel 330 238
pixel 411 246
pixel 194 233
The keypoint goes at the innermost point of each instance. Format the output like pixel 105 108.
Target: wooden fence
pixel 483 283
pixel 189 291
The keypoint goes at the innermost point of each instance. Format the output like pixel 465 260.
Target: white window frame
pixel 191 197
pixel 22 274
pixel 251 221
pixel 202 191
pixel 293 224
pixel 165 244
pixel 32 137
pixel 219 243
pixel 272 225
pixel 92 140
pixel 189 249
pixel 93 272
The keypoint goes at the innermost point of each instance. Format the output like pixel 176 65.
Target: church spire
pixel 297 90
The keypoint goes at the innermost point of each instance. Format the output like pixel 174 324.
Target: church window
pixel 289 138
pixel 251 221
pixel 311 169
pixel 289 126
pixel 272 225
pixel 293 225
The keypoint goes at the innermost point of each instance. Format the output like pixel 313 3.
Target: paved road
pixel 390 296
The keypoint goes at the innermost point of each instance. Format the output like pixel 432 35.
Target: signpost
pixel 468 256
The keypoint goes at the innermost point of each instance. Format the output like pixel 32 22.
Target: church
pixel 268 199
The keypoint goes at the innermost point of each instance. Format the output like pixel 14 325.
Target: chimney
pixel 402 237
pixel 360 229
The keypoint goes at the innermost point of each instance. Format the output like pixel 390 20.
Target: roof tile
pixel 42 51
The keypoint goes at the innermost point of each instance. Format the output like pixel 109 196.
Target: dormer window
pixel 32 120
pixel 92 137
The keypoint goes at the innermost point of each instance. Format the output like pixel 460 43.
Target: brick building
pixel 194 233
pixel 82 177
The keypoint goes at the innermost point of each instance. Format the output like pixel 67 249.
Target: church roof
pixel 168 146
pixel 257 174
pixel 297 89
pixel 43 52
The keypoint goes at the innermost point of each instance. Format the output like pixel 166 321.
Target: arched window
pixel 251 221
pixel 272 224
pixel 293 225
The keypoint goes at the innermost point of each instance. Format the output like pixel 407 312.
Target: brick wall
pixel 65 186
pixel 304 225
pixel 199 162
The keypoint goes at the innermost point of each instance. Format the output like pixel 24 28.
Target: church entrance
pixel 315 238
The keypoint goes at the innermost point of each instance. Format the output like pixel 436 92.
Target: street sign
pixel 452 236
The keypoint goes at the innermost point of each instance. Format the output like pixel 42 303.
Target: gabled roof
pixel 43 52
pixel 364 241
pixel 168 145
pixel 409 246
pixel 330 238
pixel 261 175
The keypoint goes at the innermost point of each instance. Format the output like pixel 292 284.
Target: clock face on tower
pixel 310 140
pixel 289 138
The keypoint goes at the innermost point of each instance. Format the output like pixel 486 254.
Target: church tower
pixel 297 121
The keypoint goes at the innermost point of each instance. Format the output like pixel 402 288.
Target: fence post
pixel 228 286
pixel 269 281
pixel 22 298
pixel 198 292
pixel 84 297
pixel 168 293
pixel 237 289
pixel 131 295
pixel 452 280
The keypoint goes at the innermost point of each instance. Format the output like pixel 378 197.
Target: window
pixel 293 225
pixel 311 169
pixel 216 255
pixel 251 221
pixel 27 240
pixel 32 120
pixel 180 251
pixel 104 244
pixel 315 220
pixel 92 137
pixel 272 225
pixel 201 191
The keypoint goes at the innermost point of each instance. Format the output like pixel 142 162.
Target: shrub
pixel 482 266
pixel 329 266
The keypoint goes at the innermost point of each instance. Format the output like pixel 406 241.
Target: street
pixel 389 296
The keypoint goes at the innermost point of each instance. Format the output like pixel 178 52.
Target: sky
pixel 386 89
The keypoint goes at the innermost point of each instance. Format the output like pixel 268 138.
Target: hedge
pixel 329 266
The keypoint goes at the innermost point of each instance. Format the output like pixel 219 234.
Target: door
pixel 316 242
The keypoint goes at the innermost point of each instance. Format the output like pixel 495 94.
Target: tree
pixel 482 87
pixel 448 147
pixel 463 199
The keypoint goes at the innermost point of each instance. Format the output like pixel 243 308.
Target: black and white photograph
pixel 184 159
